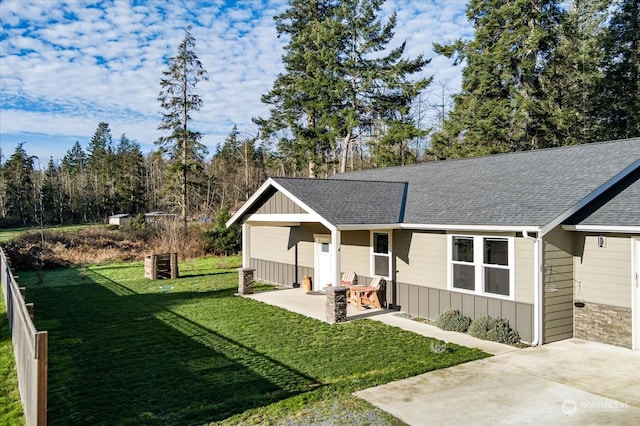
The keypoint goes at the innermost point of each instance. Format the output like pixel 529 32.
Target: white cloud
pixel 61 76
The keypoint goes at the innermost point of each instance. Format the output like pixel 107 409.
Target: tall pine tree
pixel 376 88
pixel 303 98
pixel 341 84
pixel 574 80
pixel 179 100
pixel 621 97
pixel 503 105
pixel 18 174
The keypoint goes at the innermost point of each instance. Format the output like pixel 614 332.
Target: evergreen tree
pixel 503 105
pixel 376 90
pixel 18 174
pixel 574 80
pixel 621 98
pixel 3 189
pixel 303 98
pixel 129 175
pixel 75 160
pixel 100 167
pixel 75 182
pixel 338 86
pixel 179 100
pixel 53 198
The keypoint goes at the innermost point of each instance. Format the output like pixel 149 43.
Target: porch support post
pixel 246 246
pixel 335 255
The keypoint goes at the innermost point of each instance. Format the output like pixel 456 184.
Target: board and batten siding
pixel 557 253
pixel 278 203
pixel 604 272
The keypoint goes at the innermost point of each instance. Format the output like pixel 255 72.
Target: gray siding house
pixel 525 236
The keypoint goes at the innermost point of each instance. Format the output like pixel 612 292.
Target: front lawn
pixel 127 350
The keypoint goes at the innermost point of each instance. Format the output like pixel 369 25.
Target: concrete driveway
pixel 567 382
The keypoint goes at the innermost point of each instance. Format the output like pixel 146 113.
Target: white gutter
pixel 603 228
pixel 537 288
pixel 365 227
pixel 483 228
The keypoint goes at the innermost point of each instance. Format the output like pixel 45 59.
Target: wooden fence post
pixel 42 342
pixel 30 309
pixel 174 265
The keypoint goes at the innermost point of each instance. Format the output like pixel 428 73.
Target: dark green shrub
pixel 495 329
pixel 453 320
pixel 221 240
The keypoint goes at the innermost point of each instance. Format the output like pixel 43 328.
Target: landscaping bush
pixel 453 320
pixel 495 329
pixel 221 240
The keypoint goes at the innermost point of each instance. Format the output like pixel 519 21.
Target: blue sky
pixel 66 66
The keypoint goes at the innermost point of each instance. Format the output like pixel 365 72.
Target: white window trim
pixel 389 253
pixel 479 265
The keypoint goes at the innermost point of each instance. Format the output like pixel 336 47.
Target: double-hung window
pixel 381 254
pixel 482 265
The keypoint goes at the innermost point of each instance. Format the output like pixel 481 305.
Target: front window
pixel 496 266
pixel 482 265
pixel 462 260
pixel 381 254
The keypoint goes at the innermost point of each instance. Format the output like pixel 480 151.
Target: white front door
pixel 635 293
pixel 322 272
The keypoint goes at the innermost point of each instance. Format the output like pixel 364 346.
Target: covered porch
pixel 311 305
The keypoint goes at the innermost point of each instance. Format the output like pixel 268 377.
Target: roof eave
pixel 591 197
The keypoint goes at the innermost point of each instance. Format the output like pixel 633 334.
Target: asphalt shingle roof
pixel 529 188
pixel 619 208
pixel 349 201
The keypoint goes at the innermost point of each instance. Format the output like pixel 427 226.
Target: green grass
pixel 126 350
pixel 10 406
pixel 7 234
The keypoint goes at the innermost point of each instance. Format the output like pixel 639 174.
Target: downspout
pixel 537 288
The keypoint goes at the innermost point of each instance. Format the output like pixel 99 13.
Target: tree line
pixel 536 74
pixel 111 177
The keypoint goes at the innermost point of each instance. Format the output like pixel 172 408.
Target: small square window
pixel 381 243
pixel 464 277
pixel 463 249
pixel 496 281
pixel 496 251
pixel 324 247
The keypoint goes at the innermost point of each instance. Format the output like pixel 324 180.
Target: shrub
pixel 495 329
pixel 221 240
pixel 453 320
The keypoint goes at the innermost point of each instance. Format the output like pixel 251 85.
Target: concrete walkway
pixel 568 382
pixel 392 318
